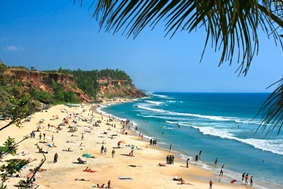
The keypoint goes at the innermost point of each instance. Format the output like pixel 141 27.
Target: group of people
pixel 245 178
pixel 153 142
pixel 170 159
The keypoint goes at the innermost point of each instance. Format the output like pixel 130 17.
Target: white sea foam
pixel 216 118
pixel 275 146
pixel 154 102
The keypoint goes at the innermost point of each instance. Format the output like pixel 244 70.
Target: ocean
pixel 221 125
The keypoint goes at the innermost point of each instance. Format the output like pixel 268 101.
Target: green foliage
pixel 3 67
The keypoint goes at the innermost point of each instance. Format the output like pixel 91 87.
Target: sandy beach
pixel 140 171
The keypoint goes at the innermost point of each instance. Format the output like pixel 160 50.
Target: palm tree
pixel 231 25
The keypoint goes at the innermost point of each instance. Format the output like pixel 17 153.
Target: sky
pixel 49 34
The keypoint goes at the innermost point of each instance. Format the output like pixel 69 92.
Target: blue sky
pixel 52 34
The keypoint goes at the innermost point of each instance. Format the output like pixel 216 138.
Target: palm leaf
pixel 272 110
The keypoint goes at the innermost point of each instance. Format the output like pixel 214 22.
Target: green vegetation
pixel 58 93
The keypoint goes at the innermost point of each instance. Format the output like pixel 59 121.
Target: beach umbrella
pixel 87 155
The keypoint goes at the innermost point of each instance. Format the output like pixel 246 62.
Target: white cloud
pixel 10 48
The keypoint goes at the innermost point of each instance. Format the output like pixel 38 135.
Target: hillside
pixel 48 85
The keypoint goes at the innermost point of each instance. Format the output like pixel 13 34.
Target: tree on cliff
pixel 231 25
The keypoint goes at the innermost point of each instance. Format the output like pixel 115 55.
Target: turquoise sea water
pixel 219 124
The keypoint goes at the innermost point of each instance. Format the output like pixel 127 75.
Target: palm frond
pixel 272 110
pixel 231 25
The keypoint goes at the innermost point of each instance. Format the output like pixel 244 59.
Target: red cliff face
pixel 41 80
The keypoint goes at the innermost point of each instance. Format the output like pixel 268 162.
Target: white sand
pixel 146 174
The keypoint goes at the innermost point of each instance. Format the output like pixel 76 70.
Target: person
pixel 210 184
pixel 105 150
pixel 199 154
pixel 243 176
pixel 82 179
pixel 40 136
pixel 221 171
pixel 52 138
pixel 109 184
pixel 247 178
pixel 55 157
pixel 187 163
pixel 216 160
pixel 251 180
pixel 82 136
pixel 170 148
pixel 113 152
pixel 102 149
pixel 197 157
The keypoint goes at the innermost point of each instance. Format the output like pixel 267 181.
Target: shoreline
pixel 227 178
pixel 145 174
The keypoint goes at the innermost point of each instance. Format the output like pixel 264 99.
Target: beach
pixel 146 168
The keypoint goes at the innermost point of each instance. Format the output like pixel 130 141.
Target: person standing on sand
pixel 105 150
pixel 210 184
pixel 109 184
pixel 170 148
pixel 113 153
pixel 55 158
pixel 52 138
pixel 102 149
pixel 187 163
pixel 82 136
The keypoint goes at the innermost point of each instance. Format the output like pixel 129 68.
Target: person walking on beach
pixel 82 136
pixel 52 138
pixel 113 152
pixel 210 184
pixel 40 136
pixel 170 148
pixel 55 157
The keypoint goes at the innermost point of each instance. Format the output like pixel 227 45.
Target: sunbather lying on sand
pixel 70 141
pixel 162 165
pixel 89 170
pixel 80 179
pixel 68 150
pixel 72 135
pixel 132 165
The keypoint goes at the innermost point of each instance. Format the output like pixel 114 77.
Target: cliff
pixel 119 88
pixel 42 81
